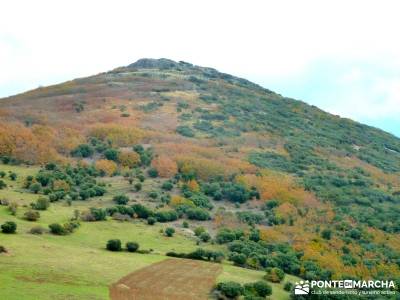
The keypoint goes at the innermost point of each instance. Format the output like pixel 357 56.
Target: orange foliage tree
pixel 129 159
pixel 165 166
pixel 106 167
pixel 118 135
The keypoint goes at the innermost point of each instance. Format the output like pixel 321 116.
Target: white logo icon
pixel 302 288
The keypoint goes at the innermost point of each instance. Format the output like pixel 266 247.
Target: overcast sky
pixel 343 56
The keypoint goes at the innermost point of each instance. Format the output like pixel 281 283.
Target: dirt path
pixel 171 279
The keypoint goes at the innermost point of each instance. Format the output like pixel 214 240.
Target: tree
pixel 262 288
pixel 274 275
pixel 35 187
pixel 2 184
pixel 151 220
pixel 9 227
pixel 198 214
pixel 121 199
pixel 132 246
pixel 106 167
pixel 238 259
pixel 111 154
pixel 41 204
pixel 152 172
pixel 169 231
pixel 83 150
pixel 165 166
pixel 288 286
pixel 129 159
pixel 137 186
pixel 205 237
pixel 57 229
pixel 114 245
pixel 326 234
pixel 230 289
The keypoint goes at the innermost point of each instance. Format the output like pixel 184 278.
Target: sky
pixel 342 56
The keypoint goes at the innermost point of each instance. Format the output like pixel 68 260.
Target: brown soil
pixel 171 279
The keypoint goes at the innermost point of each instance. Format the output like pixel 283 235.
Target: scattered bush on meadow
pixel 114 245
pixel 132 246
pixel 9 227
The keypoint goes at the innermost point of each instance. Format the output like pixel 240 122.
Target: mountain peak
pixel 154 63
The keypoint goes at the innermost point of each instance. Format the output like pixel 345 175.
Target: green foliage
pixel 111 154
pixel 42 203
pixel 230 289
pixel 131 246
pixel 121 199
pixel 3 185
pixel 13 176
pixel 151 220
pixel 205 237
pixel 9 227
pixel 198 214
pixel 83 150
pixel 169 231
pixel 274 274
pixel 185 131
pixel 57 229
pixel 166 216
pixel 114 245
pixel 152 172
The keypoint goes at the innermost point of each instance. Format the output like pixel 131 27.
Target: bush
pixel 153 195
pixel 13 176
pixel 205 237
pixel 288 286
pixel 230 289
pixel 262 288
pixel 3 249
pixel 42 203
pixel 111 154
pixel 238 259
pixel 132 246
pixel 185 224
pixel 35 187
pixel 57 229
pixel 151 220
pixel 167 185
pixel 114 245
pixel 326 234
pixel 152 172
pixel 185 131
pixel 83 150
pixel 274 275
pixel 166 216
pixel 198 214
pixel 31 215
pixel 199 230
pixel 169 231
pixel 9 227
pixel 3 185
pixel 121 199
pixel 138 186
pixel 37 230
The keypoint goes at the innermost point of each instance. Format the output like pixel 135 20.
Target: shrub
pixel 114 245
pixel 111 154
pixel 9 227
pixel 35 187
pixel 132 246
pixel 121 199
pixel 36 230
pixel 230 289
pixel 129 159
pixel 185 224
pixel 83 150
pixel 151 220
pixel 238 259
pixel 32 215
pixel 3 249
pixel 153 195
pixel 199 230
pixel 167 185
pixel 262 288
pixel 274 275
pixel 198 214
pixel 42 203
pixel 166 216
pixel 326 234
pixel 205 237
pixel 57 229
pixel 185 131
pixel 13 176
pixel 288 286
pixel 169 231
pixel 3 185
pixel 137 186
pixel 152 172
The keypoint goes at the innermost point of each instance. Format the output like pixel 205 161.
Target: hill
pixel 275 182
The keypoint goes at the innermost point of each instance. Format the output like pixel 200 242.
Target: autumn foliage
pixel 165 166
pixel 129 159
pixel 106 166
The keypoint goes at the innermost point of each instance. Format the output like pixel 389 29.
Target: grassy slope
pixel 77 266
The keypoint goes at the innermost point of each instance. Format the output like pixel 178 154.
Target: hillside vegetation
pixel 244 176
